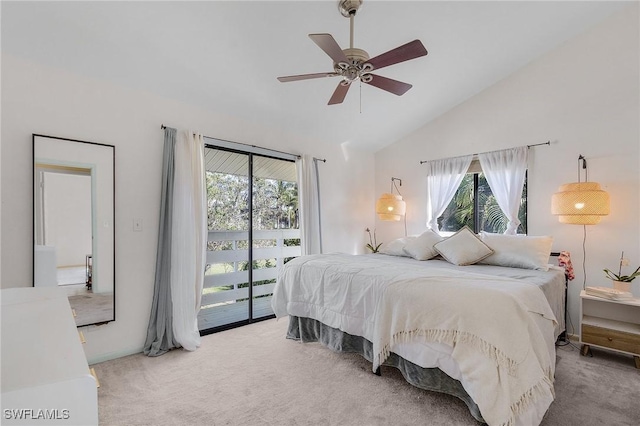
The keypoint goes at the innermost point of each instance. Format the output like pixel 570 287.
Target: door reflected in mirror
pixel 73 224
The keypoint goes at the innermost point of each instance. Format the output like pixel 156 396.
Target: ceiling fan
pixel 354 64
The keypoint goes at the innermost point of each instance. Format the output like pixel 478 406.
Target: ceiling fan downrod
pixel 351 21
pixel 348 9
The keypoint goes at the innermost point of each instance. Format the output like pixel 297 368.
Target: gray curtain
pixel 160 331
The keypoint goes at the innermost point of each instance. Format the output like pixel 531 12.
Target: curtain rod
pixel 528 146
pixel 162 126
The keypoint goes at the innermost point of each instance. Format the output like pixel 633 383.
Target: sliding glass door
pixel 253 230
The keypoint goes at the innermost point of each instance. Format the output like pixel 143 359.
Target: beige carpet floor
pixel 254 376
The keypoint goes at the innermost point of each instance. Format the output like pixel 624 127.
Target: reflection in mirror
pixel 73 224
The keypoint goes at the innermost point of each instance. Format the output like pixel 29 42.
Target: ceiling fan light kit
pixel 354 64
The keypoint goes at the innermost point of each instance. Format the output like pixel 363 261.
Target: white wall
pixel 52 102
pixel 584 98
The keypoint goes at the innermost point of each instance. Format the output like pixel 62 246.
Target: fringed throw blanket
pixel 501 329
pixel 493 326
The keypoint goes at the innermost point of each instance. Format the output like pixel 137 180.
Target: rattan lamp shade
pixel 390 207
pixel 580 203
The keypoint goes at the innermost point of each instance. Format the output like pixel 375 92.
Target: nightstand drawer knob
pixel 610 339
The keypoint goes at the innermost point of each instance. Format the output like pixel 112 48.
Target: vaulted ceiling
pixel 225 56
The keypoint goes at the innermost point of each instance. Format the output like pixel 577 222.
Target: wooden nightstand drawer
pixel 610 324
pixel 613 339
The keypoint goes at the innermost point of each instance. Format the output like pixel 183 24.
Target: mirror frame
pixel 95 226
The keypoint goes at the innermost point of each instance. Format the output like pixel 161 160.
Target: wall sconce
pixel 390 206
pixel 580 203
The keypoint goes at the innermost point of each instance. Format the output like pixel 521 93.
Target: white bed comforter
pixel 501 330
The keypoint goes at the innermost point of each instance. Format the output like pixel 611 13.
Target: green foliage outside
pixel 275 203
pixel 460 211
pixel 275 206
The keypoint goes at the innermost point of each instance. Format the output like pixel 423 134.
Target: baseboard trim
pixel 113 355
pixel 573 337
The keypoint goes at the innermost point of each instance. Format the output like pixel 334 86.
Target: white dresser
pixel 45 378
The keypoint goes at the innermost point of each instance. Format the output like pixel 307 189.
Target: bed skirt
pixel 432 379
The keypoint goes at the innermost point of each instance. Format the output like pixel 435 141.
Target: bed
pixel 482 332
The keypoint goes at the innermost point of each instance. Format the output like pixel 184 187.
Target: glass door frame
pixel 250 152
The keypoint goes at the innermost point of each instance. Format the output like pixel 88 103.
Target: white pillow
pixel 395 247
pixel 463 248
pixel 518 251
pixel 421 248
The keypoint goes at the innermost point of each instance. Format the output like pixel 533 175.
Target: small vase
pixel 622 285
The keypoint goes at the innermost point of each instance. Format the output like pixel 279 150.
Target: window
pixel 475 206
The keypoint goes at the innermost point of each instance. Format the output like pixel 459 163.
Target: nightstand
pixel 610 324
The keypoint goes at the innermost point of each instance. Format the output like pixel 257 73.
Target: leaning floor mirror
pixel 73 224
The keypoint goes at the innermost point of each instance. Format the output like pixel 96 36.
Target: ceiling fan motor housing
pixel 356 55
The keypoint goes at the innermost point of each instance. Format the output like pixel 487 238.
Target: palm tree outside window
pixel 474 205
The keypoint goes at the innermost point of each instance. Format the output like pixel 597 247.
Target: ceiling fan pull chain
pixel 360 96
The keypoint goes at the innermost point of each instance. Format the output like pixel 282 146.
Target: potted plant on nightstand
pixel 622 282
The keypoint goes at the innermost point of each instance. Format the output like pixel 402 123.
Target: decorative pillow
pixel 463 248
pixel 395 247
pixel 421 248
pixel 518 251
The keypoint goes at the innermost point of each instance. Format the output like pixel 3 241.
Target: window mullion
pixel 250 236
pixel 476 204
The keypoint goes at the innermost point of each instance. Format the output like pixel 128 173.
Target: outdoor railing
pixel 225 295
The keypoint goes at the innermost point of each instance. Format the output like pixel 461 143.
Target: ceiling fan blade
pixel 306 76
pixel 413 49
pixel 393 86
pixel 327 43
pixel 339 94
